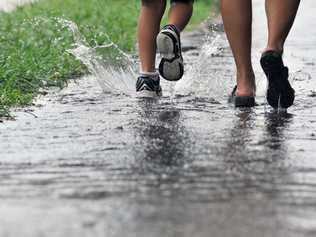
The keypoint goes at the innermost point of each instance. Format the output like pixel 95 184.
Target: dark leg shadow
pixel 240 134
pixel 276 123
pixel 161 139
pixel 256 150
pixel 247 136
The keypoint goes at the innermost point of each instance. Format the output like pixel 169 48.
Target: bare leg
pixel 280 15
pixel 180 14
pixel 148 28
pixel 237 18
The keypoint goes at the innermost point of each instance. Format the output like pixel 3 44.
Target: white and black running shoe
pixel 169 46
pixel 148 86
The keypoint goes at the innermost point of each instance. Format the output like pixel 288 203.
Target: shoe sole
pixel 244 101
pixel 280 95
pixel 170 67
pixel 148 94
pixel 241 101
pixel 280 99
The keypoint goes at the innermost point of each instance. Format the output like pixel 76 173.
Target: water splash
pixel 114 70
pixel 279 104
pixel 11 5
pixel 205 77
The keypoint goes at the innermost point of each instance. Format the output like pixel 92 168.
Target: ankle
pixel 246 84
pixel 275 48
pixel 153 75
pixel 246 75
pixel 146 73
pixel 147 69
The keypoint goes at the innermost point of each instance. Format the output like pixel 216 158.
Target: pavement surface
pixel 82 162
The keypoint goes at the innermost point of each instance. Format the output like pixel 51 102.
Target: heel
pixel 165 46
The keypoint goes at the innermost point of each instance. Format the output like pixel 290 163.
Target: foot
pixel 242 100
pixel 279 93
pixel 169 46
pixel 148 85
pixel 246 84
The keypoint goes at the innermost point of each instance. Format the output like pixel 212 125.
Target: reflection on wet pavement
pixel 94 164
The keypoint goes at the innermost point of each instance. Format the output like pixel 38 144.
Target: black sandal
pixel 280 92
pixel 242 101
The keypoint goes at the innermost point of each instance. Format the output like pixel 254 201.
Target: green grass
pixel 33 43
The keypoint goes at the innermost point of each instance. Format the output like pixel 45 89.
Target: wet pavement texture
pixel 84 163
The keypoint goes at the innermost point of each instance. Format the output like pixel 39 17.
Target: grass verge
pixel 33 43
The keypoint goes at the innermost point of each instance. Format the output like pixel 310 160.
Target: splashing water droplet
pixel 114 70
pixel 203 78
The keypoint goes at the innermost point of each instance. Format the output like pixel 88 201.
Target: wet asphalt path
pixel 84 163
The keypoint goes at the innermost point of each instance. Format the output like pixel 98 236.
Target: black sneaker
pixel 279 93
pixel 146 86
pixel 169 47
